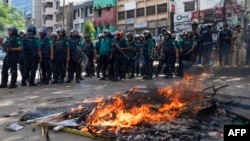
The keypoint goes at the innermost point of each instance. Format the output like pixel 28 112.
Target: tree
pixel 10 16
pixel 89 29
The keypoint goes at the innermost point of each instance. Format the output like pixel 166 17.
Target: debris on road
pixel 14 127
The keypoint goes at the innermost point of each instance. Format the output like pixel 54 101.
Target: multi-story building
pixel 136 16
pixel 105 12
pixel 26 8
pixel 47 11
pixel 36 13
pixel 82 11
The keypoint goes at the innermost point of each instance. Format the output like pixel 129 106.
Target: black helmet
pixel 14 29
pixel 129 34
pixel 31 29
pixel 100 35
pixel 42 31
pixel 87 36
pixel 53 35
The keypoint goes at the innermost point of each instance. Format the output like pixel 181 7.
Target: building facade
pixel 207 12
pixel 47 11
pixel 105 12
pixel 36 13
pixel 82 11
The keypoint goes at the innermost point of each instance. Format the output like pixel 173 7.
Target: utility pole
pixel 224 12
pixel 198 10
pixel 63 12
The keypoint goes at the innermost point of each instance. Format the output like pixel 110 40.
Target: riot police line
pixel 114 57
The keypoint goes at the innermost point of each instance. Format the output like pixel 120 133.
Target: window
pixel 121 15
pixel 162 8
pixel 57 5
pixel 131 14
pixel 86 11
pixel 91 10
pixel 150 10
pixel 140 12
pixel 76 14
pixel 189 6
pixel 57 17
pixel 82 13
pixel 99 12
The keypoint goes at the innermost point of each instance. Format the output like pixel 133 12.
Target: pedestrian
pixel 74 67
pixel 45 65
pixel 97 54
pixel 247 41
pixel 239 52
pixel 12 46
pixel 105 53
pixel 170 53
pixel 207 45
pixel 187 50
pixel 21 54
pixel 32 56
pixel 61 55
pixel 148 55
pixel 225 42
pixel 119 56
pixel 88 49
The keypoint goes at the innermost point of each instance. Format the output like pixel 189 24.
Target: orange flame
pixel 117 114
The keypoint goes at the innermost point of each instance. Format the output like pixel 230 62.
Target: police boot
pixel 78 80
pixel 4 81
pixel 13 80
pixel 55 81
pixel 68 81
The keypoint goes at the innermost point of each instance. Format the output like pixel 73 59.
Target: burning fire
pixel 118 112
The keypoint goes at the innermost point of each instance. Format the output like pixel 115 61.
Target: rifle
pixel 121 51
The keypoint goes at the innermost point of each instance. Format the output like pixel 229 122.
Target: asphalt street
pixel 24 99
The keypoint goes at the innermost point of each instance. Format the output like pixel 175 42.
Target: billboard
pixel 182 21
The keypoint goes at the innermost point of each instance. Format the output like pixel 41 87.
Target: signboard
pixel 182 21
pixel 130 21
pixel 130 6
pixel 141 25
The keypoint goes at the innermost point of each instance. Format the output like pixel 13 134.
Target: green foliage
pixel 10 16
pixel 89 29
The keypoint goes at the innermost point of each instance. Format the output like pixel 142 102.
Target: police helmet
pixel 22 32
pixel 101 35
pixel 53 35
pixel 195 21
pixel 137 36
pixel 87 36
pixel 42 31
pixel 73 30
pixel 146 32
pixel 141 36
pixel 106 31
pixel 119 34
pixel 14 29
pixel 129 34
pixel 61 29
pixel 167 33
pixel 189 31
pixel 163 30
pixel 31 29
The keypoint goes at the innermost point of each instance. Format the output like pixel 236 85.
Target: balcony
pixel 48 11
pixel 45 1
pixel 49 23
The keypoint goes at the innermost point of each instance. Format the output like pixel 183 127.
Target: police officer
pixel 196 36
pixel 139 59
pixel 97 53
pixel 61 55
pixel 105 53
pixel 45 65
pixel 187 50
pixel 75 48
pixel 12 47
pixel 207 45
pixel 89 51
pixel 225 42
pixel 131 54
pixel 21 59
pixel 32 56
pixel 148 55
pixel 170 52
pixel 120 57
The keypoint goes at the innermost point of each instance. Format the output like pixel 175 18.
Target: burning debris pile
pixel 170 113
